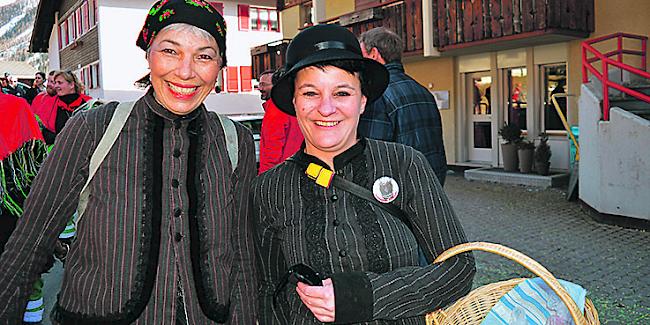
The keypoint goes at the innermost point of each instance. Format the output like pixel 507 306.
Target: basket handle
pixel 525 261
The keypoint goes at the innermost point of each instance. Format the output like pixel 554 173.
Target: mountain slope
pixel 16 24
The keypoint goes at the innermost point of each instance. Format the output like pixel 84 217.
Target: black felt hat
pixel 321 44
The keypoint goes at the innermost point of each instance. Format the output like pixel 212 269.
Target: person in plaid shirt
pixel 407 112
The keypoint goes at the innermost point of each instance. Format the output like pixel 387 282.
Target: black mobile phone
pixel 306 275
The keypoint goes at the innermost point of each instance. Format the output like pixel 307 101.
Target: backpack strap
pixel 113 130
pixel 232 144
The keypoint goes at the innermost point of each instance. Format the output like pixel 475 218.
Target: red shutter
pixel 218 6
pixel 233 80
pixel 242 11
pixel 60 36
pixel 246 73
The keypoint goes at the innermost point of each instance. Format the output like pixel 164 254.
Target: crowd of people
pixel 157 209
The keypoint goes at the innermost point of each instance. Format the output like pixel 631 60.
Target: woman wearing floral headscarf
pixel 165 237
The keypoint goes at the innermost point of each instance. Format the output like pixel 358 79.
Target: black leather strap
pixel 365 194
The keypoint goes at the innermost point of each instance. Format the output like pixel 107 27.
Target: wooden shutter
pixel 246 74
pixel 242 11
pixel 233 80
pixel 218 6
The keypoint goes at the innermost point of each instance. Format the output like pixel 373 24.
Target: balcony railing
pixel 462 23
pixel 404 17
pixel 269 56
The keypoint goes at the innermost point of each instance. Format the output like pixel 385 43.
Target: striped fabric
pixel 533 302
pixel 164 205
pixel 366 252
pixel 70 228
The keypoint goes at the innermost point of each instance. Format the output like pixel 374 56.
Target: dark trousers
pixel 7 226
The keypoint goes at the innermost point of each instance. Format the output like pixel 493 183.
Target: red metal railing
pixel 607 61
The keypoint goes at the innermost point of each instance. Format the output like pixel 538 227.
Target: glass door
pixel 479 116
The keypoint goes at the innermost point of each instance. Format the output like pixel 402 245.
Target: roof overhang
pixel 43 25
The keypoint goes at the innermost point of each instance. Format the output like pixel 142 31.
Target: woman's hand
pixel 319 299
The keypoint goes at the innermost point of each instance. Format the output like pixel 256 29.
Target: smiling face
pixel 63 87
pixel 184 68
pixel 328 104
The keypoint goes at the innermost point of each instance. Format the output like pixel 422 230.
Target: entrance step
pixel 498 175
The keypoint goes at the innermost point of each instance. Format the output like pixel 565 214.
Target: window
pixel 306 14
pixel 77 23
pixel 246 74
pixel 518 91
pixel 258 19
pixel 554 83
pixel 232 83
pixel 89 76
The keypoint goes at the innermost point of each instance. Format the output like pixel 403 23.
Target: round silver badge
pixel 385 189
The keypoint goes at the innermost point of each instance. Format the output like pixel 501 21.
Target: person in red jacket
pixel 70 96
pixel 45 103
pixel 280 136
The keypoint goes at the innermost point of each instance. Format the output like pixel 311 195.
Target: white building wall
pixel 54 62
pixel 122 62
pixel 614 165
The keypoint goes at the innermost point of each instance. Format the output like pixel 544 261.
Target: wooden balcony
pixel 468 25
pixel 269 56
pixel 404 17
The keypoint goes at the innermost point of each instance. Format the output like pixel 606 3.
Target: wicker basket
pixel 473 308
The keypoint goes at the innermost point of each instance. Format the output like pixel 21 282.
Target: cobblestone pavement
pixel 612 262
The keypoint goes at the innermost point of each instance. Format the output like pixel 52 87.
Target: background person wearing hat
pixel 165 238
pixel 367 257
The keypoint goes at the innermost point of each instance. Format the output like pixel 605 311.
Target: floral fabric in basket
pixel 533 302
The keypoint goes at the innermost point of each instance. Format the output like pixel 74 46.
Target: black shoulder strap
pixel 365 194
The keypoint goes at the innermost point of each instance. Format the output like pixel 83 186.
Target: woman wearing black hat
pixel 166 236
pixel 353 220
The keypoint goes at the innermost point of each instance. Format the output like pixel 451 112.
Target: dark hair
pixel 269 71
pixel 42 74
pixel 389 45
pixel 351 66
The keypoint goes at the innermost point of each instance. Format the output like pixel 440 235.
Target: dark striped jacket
pixel 370 256
pixel 166 214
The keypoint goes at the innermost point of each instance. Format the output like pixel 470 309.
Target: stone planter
pixel 525 160
pixel 510 159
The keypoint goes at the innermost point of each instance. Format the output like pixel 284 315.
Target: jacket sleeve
pixel 416 290
pixel 270 260
pixel 52 200
pixel 275 127
pixel 244 281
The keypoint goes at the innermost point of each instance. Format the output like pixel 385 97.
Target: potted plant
pixel 543 156
pixel 525 153
pixel 511 134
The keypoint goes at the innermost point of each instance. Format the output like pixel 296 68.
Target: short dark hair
pixel 389 44
pixel 269 71
pixel 277 75
pixel 351 66
pixel 42 74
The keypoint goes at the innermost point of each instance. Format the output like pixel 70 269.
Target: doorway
pixel 479 113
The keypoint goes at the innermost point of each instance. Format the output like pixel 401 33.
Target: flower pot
pixel 525 160
pixel 542 168
pixel 510 159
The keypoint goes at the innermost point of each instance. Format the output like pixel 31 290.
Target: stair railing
pixel 607 61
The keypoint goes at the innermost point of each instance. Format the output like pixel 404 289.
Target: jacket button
pixel 334 198
pixel 178 212
pixel 177 124
pixel 175 183
pixel 343 253
pixel 177 153
pixel 178 237
pixel 336 222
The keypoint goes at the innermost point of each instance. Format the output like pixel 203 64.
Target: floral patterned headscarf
pixel 197 13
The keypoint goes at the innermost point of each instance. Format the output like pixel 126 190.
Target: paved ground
pixel 613 263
